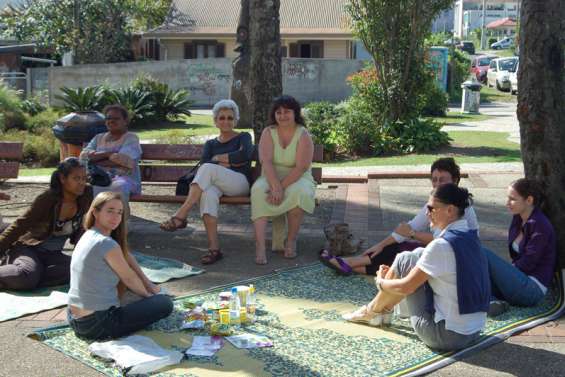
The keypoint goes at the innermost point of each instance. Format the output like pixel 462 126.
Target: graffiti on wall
pixel 207 79
pixel 301 70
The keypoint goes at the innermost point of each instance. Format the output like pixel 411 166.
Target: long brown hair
pixel 120 233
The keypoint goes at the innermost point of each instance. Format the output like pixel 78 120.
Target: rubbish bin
pixel 471 100
pixel 75 129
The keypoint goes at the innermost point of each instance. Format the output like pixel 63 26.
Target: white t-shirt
pixel 438 261
pixel 421 223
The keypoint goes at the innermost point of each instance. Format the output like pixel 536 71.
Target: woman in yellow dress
pixel 286 185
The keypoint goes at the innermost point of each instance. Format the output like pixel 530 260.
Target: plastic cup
pixel 242 292
pixel 224 316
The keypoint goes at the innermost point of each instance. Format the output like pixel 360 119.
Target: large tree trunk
pixel 541 104
pixel 265 78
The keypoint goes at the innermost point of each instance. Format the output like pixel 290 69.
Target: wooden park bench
pixel 166 163
pixel 11 154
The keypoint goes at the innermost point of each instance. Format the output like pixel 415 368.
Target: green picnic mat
pixel 300 310
pixel 160 270
pixel 16 304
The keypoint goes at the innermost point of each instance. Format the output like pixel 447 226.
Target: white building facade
pixel 468 14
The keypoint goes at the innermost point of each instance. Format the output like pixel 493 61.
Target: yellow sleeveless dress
pixel 300 194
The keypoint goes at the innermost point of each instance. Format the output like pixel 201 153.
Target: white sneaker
pixel 364 315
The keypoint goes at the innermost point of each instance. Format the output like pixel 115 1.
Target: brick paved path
pixel 372 210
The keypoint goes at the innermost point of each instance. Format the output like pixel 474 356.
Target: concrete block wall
pixel 209 80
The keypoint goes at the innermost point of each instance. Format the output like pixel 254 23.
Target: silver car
pixel 498 73
pixel 514 79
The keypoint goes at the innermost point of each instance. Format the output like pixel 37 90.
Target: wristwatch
pixel 412 233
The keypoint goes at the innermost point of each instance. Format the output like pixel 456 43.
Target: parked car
pixel 451 41
pixel 514 78
pixel 506 42
pixel 467 46
pixel 479 66
pixel 498 73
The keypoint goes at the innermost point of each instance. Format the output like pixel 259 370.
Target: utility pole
pixel 483 36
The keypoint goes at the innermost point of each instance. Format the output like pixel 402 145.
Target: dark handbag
pixel 98 176
pixel 183 184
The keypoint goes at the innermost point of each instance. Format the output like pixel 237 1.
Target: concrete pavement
pixel 503 119
pixel 371 210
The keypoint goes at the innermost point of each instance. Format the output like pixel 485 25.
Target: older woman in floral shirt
pixel 117 152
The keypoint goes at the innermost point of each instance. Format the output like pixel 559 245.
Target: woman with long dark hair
pixel 532 247
pixel 101 269
pixel 31 247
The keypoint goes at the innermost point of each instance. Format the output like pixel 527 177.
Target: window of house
pixel 351 50
pixel 306 49
pixel 204 49
pixel 152 49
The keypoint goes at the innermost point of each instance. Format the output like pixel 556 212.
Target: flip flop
pixel 344 269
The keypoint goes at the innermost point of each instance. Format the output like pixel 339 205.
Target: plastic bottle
pixel 235 309
pixel 250 303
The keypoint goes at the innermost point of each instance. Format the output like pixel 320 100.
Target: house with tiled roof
pixel 207 29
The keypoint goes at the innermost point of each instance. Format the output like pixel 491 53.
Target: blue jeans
pixel 510 284
pixel 117 322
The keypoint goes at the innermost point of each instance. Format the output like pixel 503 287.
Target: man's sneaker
pixel 364 315
pixel 497 307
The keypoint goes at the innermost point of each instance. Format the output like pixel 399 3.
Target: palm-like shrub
pixel 82 99
pixel 136 101
pixel 11 113
pixel 166 101
pixel 171 103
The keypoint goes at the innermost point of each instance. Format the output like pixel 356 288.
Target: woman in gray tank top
pixel 101 270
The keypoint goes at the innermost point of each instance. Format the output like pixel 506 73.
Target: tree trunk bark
pixel 541 104
pixel 265 46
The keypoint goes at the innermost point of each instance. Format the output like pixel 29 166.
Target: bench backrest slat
pixel 11 151
pixel 190 153
pixel 9 169
pixel 172 152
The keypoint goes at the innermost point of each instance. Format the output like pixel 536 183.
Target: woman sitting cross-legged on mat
pixel 225 170
pixel 406 236
pixel 286 186
pixel 101 269
pixel 532 246
pixel 446 284
pixel 31 247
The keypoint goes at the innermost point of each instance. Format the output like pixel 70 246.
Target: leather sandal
pixel 212 257
pixel 174 223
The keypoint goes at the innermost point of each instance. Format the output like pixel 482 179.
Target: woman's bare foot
pixel 290 249
pixel 260 255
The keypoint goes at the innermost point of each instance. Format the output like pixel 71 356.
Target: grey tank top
pixel 93 282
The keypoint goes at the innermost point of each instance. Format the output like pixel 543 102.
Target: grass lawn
pixel 467 146
pixel 494 95
pixel 457 117
pixel 27 172
pixel 187 126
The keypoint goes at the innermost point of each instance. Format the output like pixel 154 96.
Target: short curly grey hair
pixel 226 104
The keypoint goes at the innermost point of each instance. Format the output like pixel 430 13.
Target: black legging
pixel 388 254
pixel 29 267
